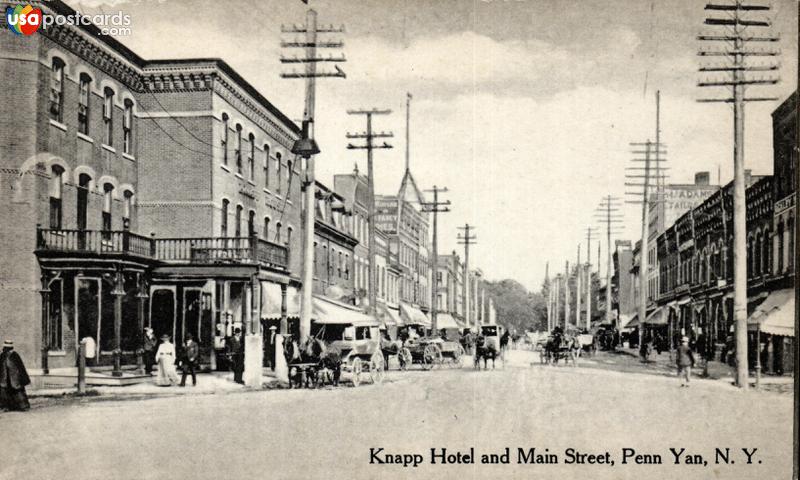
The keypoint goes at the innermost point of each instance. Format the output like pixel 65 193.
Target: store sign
pixel 784 203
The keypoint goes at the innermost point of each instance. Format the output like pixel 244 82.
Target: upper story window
pixel 266 228
pixel 56 183
pixel 278 171
pixel 107 192
pixel 127 206
pixel 127 127
pixel 83 103
pixel 278 233
pixel 224 141
pixel 289 167
pixel 224 223
pixel 266 166
pixel 108 116
pixel 251 224
pixel 289 231
pixel 238 225
pixel 238 152
pixel 251 172
pixel 57 90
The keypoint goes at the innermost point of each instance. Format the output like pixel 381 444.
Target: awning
pixel 624 320
pixel 271 301
pixel 445 320
pixel 413 316
pixel 328 311
pixel 658 317
pixel 684 300
pixel 389 316
pixel 776 315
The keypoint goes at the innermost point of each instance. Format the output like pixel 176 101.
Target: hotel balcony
pixel 203 250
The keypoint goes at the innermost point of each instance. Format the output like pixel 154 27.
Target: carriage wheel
pixel 405 358
pixel 432 356
pixel 357 372
pixel 376 368
pixel 459 356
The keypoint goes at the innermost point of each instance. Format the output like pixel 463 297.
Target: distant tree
pixel 516 307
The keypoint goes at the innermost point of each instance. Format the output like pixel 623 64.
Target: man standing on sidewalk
pixel 190 354
pixel 685 362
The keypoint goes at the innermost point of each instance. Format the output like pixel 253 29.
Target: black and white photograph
pixel 379 239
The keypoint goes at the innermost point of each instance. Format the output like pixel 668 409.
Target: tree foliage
pixel 517 308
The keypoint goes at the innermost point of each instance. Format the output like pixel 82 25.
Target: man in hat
pixel 149 346
pixel 13 379
pixel 685 361
pixel 190 354
pixel 236 351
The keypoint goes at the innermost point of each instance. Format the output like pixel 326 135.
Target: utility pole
pixel 736 24
pixel 549 293
pixel 652 170
pixel 435 207
pixel 566 294
pixel 306 147
pixel 589 232
pixel 467 238
pixel 609 212
pixel 578 275
pixel 369 136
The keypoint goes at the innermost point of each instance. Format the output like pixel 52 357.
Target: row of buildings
pixel 690 259
pixel 164 193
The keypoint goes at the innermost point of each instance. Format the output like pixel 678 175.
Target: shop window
pixel 55 335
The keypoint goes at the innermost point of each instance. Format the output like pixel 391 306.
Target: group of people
pixel 165 357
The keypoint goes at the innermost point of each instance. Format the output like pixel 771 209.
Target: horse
pixel 327 361
pixel 482 350
pixel 553 348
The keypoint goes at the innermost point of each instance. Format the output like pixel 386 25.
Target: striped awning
pixel 445 320
pixel 413 316
pixel 776 315
pixel 328 311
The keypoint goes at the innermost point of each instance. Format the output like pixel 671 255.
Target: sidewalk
pixel 627 360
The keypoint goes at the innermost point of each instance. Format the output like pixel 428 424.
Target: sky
pixel 523 109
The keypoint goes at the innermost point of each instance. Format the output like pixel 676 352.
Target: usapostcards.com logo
pixel 26 20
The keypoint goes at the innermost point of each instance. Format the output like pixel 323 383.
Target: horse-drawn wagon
pixel 490 345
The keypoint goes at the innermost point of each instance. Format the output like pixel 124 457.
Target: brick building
pixel 163 192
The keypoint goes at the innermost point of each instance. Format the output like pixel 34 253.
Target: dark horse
pixel 315 364
pixel 484 351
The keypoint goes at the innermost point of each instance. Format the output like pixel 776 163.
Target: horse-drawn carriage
pixel 342 339
pixel 491 344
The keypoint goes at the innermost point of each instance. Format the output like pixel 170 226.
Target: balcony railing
pixel 207 250
pixel 222 250
pixel 94 241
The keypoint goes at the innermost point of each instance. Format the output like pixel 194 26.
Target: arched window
pixel 223 229
pixel 251 171
pixel 84 181
pixel 750 257
pixel 224 141
pixel 765 254
pixel 127 207
pixel 251 224
pixel 289 231
pixel 278 172
pixel 779 247
pixel 238 226
pixel 238 152
pixel 278 233
pixel 83 103
pixel 266 166
pixel 289 167
pixel 108 116
pixel 107 200
pixel 757 256
pixel 56 183
pixel 57 90
pixel 790 253
pixel 266 228
pixel 127 127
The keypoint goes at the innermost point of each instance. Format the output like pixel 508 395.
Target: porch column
pixel 142 296
pixel 284 317
pixel 118 292
pixel 45 291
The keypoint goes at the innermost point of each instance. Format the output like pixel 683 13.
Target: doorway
pixel 88 295
pixel 162 312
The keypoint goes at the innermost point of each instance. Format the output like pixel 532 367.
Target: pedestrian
pixel 191 352
pixel 149 346
pixel 685 362
pixel 236 353
pixel 91 350
pixel 165 356
pixel 13 380
pixel 574 350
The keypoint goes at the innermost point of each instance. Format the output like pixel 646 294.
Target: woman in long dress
pixel 165 356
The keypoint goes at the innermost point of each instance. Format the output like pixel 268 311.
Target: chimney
pixel 702 178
